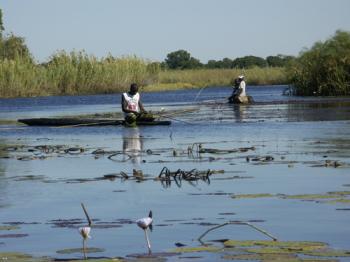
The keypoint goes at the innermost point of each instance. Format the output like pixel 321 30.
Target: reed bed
pixel 72 74
pixel 178 79
pixel 78 73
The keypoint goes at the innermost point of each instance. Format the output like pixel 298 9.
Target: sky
pixel 150 29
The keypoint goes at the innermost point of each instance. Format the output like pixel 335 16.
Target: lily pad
pixel 328 253
pixel 20 257
pixel 263 257
pixel 310 196
pixel 291 245
pixel 9 228
pixel 253 195
pixel 339 201
pixel 197 249
pixel 80 250
pixel 340 193
pixel 274 257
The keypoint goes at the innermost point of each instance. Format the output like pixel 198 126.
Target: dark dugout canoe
pixel 85 122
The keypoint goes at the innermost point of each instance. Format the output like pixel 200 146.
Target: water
pixel 299 136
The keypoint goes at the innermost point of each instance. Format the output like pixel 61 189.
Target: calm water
pixel 36 193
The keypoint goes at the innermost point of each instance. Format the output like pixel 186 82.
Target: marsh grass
pixel 77 73
pixel 72 74
pixel 223 77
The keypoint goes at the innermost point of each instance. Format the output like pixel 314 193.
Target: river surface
pixel 282 146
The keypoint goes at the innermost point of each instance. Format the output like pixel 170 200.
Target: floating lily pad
pixel 13 235
pixel 271 250
pixel 263 257
pixel 20 257
pixel 339 201
pixel 197 249
pixel 9 227
pixel 292 245
pixel 253 195
pixel 273 258
pixel 153 257
pixel 310 196
pixel 340 193
pixel 93 260
pixel 328 253
pixel 80 250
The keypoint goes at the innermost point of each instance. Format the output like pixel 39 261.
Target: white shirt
pixel 242 88
pixel 132 102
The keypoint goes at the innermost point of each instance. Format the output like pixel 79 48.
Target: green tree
pixel 324 69
pixel 13 47
pixel 181 59
pixel 279 60
pixel 1 24
pixel 249 61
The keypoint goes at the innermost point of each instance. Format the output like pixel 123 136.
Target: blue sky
pixel 208 29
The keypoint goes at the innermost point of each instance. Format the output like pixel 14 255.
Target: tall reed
pixel 173 79
pixel 73 73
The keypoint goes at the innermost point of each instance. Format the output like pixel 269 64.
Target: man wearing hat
pixel 239 95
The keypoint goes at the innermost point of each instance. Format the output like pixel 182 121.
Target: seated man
pixel 239 94
pixel 132 106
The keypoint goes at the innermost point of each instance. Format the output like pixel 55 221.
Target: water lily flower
pixel 146 223
pixel 85 232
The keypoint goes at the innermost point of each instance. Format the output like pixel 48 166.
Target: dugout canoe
pixel 86 122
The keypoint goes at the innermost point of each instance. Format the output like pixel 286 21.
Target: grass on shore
pixel 181 79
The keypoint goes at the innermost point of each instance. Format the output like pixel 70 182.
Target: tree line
pixel 182 59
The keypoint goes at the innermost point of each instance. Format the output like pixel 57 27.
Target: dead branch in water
pixel 236 223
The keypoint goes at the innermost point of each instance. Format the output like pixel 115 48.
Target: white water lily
pixel 146 223
pixel 85 232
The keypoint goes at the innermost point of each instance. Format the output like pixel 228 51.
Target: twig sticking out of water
pixel 87 215
pixel 236 223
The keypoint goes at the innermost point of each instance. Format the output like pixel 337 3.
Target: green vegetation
pixel 74 73
pixel 182 59
pixel 171 79
pixel 324 69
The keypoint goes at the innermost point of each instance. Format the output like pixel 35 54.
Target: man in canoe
pixel 239 95
pixel 133 108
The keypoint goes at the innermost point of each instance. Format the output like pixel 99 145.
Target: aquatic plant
pixel 73 73
pixel 85 231
pixel 145 223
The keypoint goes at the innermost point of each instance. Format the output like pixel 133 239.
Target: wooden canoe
pixel 85 122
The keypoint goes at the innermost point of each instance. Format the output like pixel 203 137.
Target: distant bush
pixel 324 69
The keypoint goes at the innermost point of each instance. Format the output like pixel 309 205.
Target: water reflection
pixel 240 112
pixel 326 111
pixel 132 145
pixel 3 181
